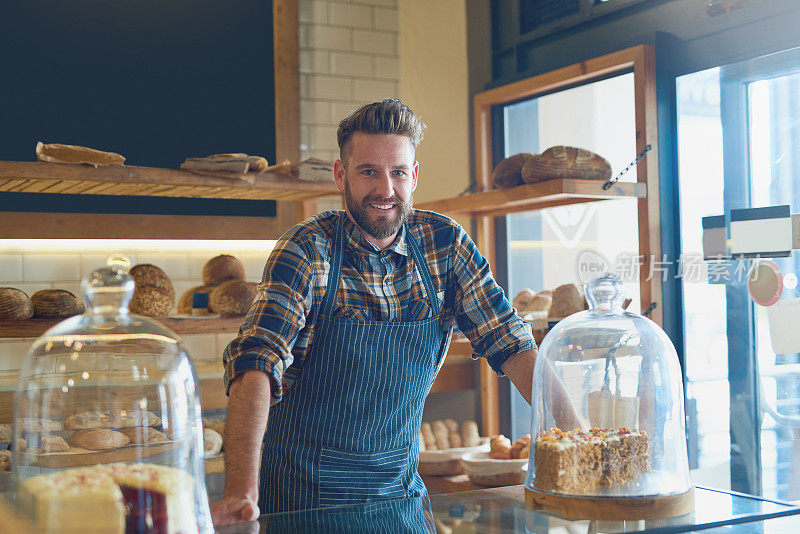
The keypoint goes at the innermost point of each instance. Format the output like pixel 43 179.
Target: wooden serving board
pixel 612 508
pixel 77 457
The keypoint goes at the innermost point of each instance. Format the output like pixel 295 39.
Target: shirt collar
pixel 357 241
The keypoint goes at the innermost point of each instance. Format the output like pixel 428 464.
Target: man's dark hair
pixel 389 116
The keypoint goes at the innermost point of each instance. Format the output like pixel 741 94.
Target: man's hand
pixel 248 407
pixel 233 510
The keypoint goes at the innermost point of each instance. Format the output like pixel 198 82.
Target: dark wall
pixel 761 28
pixel 155 80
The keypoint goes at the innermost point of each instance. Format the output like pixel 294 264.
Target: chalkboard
pixel 155 80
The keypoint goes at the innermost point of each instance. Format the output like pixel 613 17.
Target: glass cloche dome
pixel 607 413
pixel 107 423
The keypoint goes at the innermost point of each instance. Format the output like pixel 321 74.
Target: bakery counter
pixel 503 510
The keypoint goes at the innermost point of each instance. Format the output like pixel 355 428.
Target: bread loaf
pixel 58 153
pixel 5 460
pixel 32 424
pixel 221 268
pixel 111 419
pixel 428 437
pixel 5 432
pixel 567 299
pixel 541 301
pixel 98 439
pixel 442 435
pixel 469 434
pixel 508 172
pixel 216 424
pixel 55 304
pixel 149 275
pixel 151 301
pixel 232 298
pixel 522 299
pixel 52 444
pixel 565 162
pixel 139 434
pixel 185 302
pixel 14 304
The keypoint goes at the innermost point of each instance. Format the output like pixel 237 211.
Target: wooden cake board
pixel 612 508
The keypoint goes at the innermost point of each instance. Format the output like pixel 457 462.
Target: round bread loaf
pixel 185 302
pixel 565 162
pixel 14 304
pixel 221 268
pixel 541 301
pixel 232 298
pixel 522 299
pixel 567 299
pixel 508 172
pixel 56 303
pixel 152 301
pixel 150 275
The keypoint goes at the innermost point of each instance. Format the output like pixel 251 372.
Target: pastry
pixel 212 442
pixel 112 498
pixel 578 462
pixel 500 447
pixel 98 439
pixel 522 444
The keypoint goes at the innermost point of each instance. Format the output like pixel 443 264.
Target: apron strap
pixel 336 269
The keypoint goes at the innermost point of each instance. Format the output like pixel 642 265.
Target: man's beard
pixel 382 226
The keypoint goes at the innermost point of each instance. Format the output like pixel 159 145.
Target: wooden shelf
pixel 39 177
pixel 179 325
pixel 548 194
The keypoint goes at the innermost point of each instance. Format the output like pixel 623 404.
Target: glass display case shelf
pixel 179 325
pixel 40 177
pixel 526 197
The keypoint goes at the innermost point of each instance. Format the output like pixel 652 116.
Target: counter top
pixel 503 510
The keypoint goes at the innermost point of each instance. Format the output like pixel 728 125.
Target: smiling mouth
pixel 383 207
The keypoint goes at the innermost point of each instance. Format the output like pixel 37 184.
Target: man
pixel 351 324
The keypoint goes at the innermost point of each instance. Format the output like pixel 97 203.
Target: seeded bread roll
pixel 233 298
pixel 152 301
pixel 508 172
pixel 567 299
pixel 185 302
pixel 565 162
pixel 55 304
pixel 149 275
pixel 222 268
pixel 98 439
pixel 15 304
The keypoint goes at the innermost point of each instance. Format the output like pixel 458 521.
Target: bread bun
pixel 152 301
pixel 567 299
pixel 14 304
pixel 150 275
pixel 565 162
pixel 508 172
pixel 221 268
pixel 232 298
pixel 55 304
pixel 185 302
pixel 212 442
pixel 98 439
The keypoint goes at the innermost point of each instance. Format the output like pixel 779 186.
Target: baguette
pixel 58 153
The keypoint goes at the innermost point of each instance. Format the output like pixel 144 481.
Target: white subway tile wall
pixel 349 55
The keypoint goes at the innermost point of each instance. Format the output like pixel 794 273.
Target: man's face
pixel 378 180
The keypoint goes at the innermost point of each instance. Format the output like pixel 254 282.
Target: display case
pixel 607 419
pixel 108 429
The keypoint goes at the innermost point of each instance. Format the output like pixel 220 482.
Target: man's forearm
pixel 248 407
pixel 519 369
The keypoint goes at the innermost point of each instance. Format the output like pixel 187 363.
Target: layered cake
pixel 577 462
pixel 114 498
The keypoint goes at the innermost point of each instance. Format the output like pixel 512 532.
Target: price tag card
pixel 761 232
pixel 714 238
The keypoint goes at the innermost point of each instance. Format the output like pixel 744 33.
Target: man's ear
pixel 338 174
pixel 414 174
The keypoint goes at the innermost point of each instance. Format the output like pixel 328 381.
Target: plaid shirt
pixel 376 285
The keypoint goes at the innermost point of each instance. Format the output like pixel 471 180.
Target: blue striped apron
pixel 348 430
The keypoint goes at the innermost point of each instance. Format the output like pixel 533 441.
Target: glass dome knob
pixel 605 292
pixel 108 290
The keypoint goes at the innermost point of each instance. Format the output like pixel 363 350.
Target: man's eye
pixel 368 172
pixel 399 173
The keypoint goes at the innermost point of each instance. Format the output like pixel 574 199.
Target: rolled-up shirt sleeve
pixel 275 319
pixel 482 311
